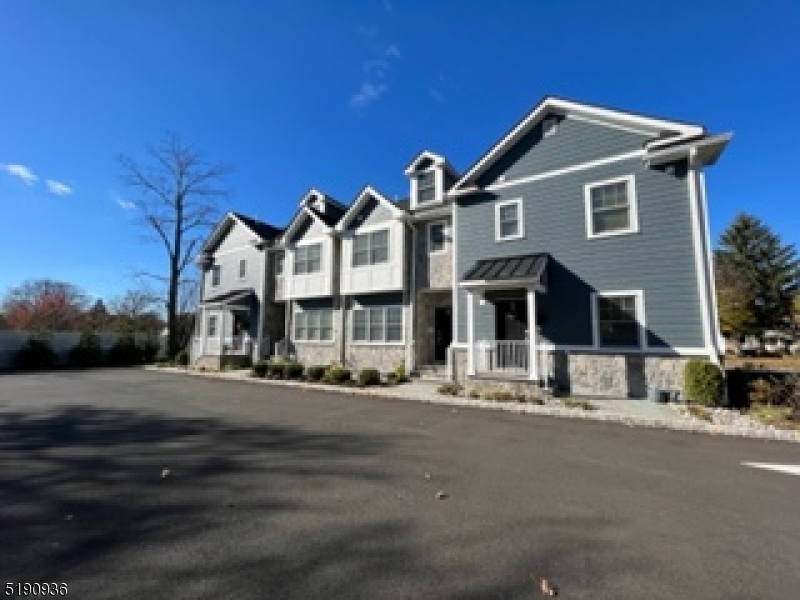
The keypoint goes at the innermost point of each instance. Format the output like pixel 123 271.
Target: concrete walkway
pixel 631 412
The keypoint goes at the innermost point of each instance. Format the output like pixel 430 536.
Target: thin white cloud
pixel 22 172
pixel 121 202
pixel 376 67
pixel 58 188
pixel 392 51
pixel 367 94
pixel 436 95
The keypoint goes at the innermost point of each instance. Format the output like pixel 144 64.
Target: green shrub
pixel 449 389
pixel 182 358
pixel 293 370
pixel 35 354
pixel 369 377
pixel 87 352
pixel 124 353
pixel 274 370
pixel 474 394
pixel 150 351
pixel 337 375
pixel 259 369
pixel 499 396
pixel 391 378
pixel 315 372
pixel 703 382
pixel 400 372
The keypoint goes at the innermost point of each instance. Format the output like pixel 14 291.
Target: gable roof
pixel 263 231
pixel 661 129
pixel 364 195
pixel 327 219
pixel 437 159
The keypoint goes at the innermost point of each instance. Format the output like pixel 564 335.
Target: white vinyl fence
pixel 61 342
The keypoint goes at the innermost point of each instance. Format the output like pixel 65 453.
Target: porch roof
pixel 528 269
pixel 240 298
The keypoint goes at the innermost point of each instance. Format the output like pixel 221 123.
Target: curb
pixel 690 425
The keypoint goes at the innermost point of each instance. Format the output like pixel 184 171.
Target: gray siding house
pixel 588 264
pixel 573 254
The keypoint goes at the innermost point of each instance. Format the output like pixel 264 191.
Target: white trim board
pixel 520 220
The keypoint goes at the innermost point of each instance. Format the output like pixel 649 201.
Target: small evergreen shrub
pixel 182 358
pixel 337 375
pixel 391 378
pixel 449 389
pixel 703 382
pixel 274 370
pixel 35 354
pixel 499 396
pixel 369 377
pixel 87 352
pixel 315 372
pixel 400 372
pixel 259 369
pixel 124 353
pixel 293 370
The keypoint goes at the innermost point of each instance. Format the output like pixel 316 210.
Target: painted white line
pixel 791 469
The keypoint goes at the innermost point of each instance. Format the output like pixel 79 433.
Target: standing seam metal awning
pixel 529 269
pixel 233 299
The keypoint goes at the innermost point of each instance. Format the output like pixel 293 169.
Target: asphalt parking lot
pixel 134 484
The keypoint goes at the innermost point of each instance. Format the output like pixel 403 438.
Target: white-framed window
pixel 611 207
pixel 212 326
pixel 216 274
pixel 378 324
pixel 426 187
pixel 618 319
pixel 314 325
pixel 371 248
pixel 242 268
pixel 308 259
pixel 279 258
pixel 509 220
pixel 436 237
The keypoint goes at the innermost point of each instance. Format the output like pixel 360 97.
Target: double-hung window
pixel 216 272
pixel 313 325
pixel 436 239
pixel 618 319
pixel 426 187
pixel 279 265
pixel 611 207
pixel 378 324
pixel 509 220
pixel 308 259
pixel 242 269
pixel 371 248
pixel 212 326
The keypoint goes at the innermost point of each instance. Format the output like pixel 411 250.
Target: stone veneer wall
pixel 433 270
pixel 316 353
pixel 424 329
pixel 590 374
pixel 375 356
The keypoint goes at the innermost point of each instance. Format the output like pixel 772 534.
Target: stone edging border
pixel 690 425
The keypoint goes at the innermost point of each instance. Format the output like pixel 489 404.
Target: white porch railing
pixel 503 356
pixel 237 345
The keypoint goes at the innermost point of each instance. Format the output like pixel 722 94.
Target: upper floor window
pixel 378 324
pixel 509 221
pixel 426 187
pixel 436 237
pixel 618 319
pixel 313 325
pixel 242 269
pixel 279 265
pixel 212 326
pixel 611 207
pixel 216 272
pixel 371 248
pixel 308 259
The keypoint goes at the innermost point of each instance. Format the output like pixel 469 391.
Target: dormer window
pixel 426 187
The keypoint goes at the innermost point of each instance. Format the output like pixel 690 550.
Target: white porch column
pixel 202 324
pixel 470 332
pixel 533 359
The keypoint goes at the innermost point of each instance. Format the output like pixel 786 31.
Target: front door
pixel 442 332
pixel 511 319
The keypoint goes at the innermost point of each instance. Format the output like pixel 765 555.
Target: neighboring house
pixel 574 253
pixel 237 317
pixel 586 261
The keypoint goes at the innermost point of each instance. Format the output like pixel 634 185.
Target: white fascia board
pixel 366 193
pixel 551 104
pixel 707 150
pixel 217 232
pixel 412 166
pixel 296 221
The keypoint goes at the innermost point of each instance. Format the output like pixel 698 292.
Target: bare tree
pixel 177 194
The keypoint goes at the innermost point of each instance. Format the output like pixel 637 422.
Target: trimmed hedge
pixel 259 369
pixel 87 352
pixel 369 377
pixel 703 382
pixel 337 375
pixel 35 354
pixel 293 370
pixel 124 353
pixel 316 372
pixel 182 358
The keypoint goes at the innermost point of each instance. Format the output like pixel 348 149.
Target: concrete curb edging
pixel 686 424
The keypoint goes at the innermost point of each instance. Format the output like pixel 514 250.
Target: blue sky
pixel 338 94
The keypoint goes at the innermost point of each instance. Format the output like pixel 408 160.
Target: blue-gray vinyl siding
pixel 574 142
pixel 372 212
pixel 658 260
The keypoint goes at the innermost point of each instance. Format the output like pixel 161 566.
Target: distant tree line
pixel 756 277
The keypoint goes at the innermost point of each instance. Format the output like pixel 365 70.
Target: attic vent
pixel 549 126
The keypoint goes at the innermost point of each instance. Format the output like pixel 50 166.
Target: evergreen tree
pixel 759 270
